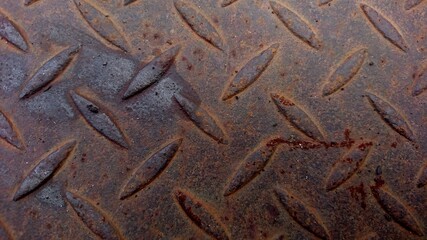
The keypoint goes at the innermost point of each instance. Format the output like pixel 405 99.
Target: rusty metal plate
pixel 205 119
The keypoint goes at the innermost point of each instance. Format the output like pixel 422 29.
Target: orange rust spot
pixel 357 191
pixel 379 182
pixel 363 146
pixel 306 145
pixel 283 100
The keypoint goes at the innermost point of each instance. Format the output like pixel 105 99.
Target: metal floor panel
pixel 213 119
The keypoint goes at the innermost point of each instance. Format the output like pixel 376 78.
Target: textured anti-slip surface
pixel 213 119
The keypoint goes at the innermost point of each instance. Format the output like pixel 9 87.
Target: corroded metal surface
pixel 205 119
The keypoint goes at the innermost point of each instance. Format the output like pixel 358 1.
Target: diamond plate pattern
pixel 231 119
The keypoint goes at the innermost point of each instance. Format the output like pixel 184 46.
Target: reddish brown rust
pixel 229 119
